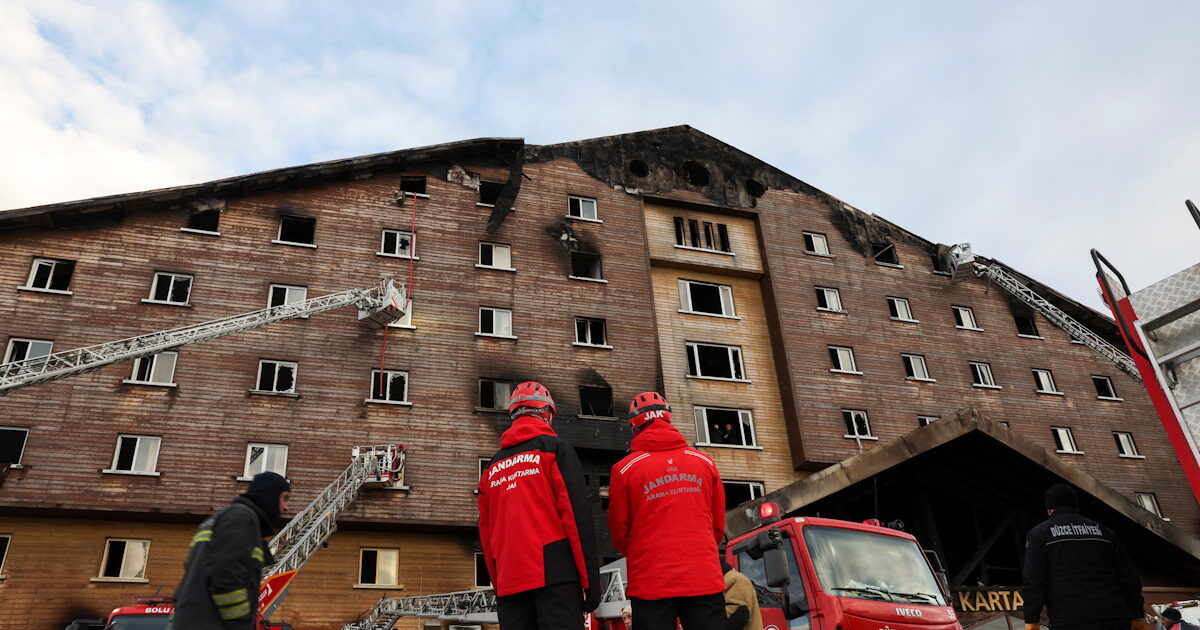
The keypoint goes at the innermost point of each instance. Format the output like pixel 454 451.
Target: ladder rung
pixel 1182 355
pixel 1171 316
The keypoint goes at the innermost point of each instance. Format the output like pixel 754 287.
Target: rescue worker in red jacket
pixel 535 524
pixel 667 515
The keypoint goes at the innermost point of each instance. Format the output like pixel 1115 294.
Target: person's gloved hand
pixel 1032 626
pixel 591 598
pixel 1140 624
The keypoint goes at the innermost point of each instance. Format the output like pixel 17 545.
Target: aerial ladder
pixel 308 531
pixel 478 606
pixel 1161 326
pixel 379 305
pixel 963 261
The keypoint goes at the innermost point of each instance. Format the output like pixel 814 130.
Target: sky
pixel 1033 130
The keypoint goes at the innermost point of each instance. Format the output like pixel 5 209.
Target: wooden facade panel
pixel 743 239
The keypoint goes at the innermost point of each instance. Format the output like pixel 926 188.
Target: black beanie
pixel 264 491
pixel 1172 614
pixel 1061 496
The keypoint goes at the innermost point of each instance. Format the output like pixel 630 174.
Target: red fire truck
pixel 152 613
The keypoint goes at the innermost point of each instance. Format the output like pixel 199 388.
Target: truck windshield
pixel 139 622
pixel 862 565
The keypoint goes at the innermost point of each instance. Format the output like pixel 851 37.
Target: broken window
pixel 495 255
pixel 981 375
pixel 482 579
pixel 694 232
pixel 412 184
pixel 964 318
pixel 590 332
pixel 1044 381
pixel 399 243
pixel 495 322
pixel 1064 440
pixel 727 427
pixel 23 349
pixel 900 309
pixel 713 361
pixel 923 421
pixel 204 221
pixel 885 253
pixel 815 243
pixel 582 208
pixel 406 320
pixel 739 492
pixel 494 394
pixel 723 238
pixel 857 423
pixel 706 298
pixel 829 299
pixel 262 458
pixel 297 230
pixel 1149 502
pixel 695 173
pixel 596 400
pixel 156 369
pixel 699 234
pixel 4 540
pixel 50 274
pixel 12 445
pixel 842 359
pixel 1026 326
pixel 277 376
pixel 1125 445
pixel 124 559
pixel 680 233
pixel 136 454
pixel 586 265
pixel 489 192
pixel 915 368
pixel 1104 388
pixel 639 168
pixel 389 386
pixel 170 288
pixel 379 567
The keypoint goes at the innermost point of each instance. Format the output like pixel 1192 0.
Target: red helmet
pixel 530 395
pixel 643 404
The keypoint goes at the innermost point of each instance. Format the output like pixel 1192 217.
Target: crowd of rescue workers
pixel 666 517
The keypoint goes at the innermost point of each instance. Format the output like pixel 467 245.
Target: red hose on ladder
pixel 412 252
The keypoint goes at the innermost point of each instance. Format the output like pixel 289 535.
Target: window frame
pixel 612 402
pixel 153 359
pixel 1111 388
pixel 187 227
pixel 390 375
pixel 893 303
pixel 503 408
pixel 1153 501
pixel 478 558
pixel 287 293
pixel 1063 437
pixel 970 312
pixel 8 352
pixel 735 367
pixel 909 361
pixel 494 310
pixel 24 445
pixel 1036 334
pixel 580 199
pixel 815 237
pixel 824 291
pixel 5 546
pixel 399 235
pixel 588 328
pixel 137 449
pixel 53 262
pixel 745 418
pixel 101 577
pixel 172 275
pixel 295 365
pixel 1127 447
pixel 360 584
pixel 702 235
pixel 724 294
pixel 406 321
pixel 599 266
pixel 851 420
pixel 494 244
pixel 246 476
pixel 757 488
pixel 1038 375
pixel 279 234
pixel 976 375
pixel 839 356
pixel 924 420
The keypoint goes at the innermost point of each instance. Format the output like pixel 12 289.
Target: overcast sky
pixel 1034 130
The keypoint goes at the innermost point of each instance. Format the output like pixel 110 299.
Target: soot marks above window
pixel 489 192
pixel 414 184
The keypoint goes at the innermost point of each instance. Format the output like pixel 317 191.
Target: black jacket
pixel 1079 571
pixel 219 590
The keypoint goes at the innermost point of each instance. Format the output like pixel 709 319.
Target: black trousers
pixel 702 612
pixel 1099 624
pixel 554 607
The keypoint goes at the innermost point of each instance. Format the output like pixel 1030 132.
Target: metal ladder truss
pixel 379 305
pixel 962 258
pixel 309 530
pixel 473 607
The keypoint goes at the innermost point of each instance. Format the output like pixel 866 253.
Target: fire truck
pixel 810 574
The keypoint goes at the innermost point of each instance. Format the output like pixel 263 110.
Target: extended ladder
pixel 308 530
pixel 379 305
pixel 961 258
pixel 478 606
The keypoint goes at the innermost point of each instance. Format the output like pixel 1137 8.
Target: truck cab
pixel 826 574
